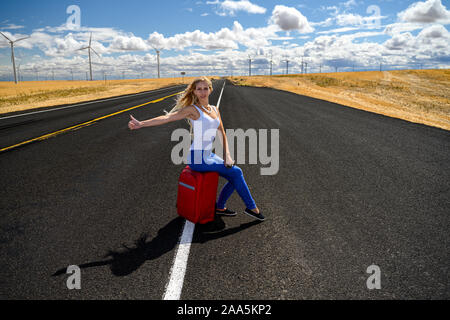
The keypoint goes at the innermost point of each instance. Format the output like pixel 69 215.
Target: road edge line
pixel 80 125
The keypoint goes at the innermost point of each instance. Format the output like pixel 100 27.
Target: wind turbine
pixel 287 63
pixel 271 57
pixel 12 53
pixel 158 51
pixel 89 50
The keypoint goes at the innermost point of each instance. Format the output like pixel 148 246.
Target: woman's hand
pixel 228 161
pixel 134 124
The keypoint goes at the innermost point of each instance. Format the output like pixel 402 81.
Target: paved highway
pixel 353 190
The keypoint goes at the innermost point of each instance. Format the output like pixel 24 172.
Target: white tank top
pixel 205 129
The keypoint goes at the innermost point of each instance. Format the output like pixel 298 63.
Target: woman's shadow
pixel 126 261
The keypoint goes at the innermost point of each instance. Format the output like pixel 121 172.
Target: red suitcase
pixel 196 200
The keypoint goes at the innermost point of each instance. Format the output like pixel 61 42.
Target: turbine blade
pixel 95 52
pixel 6 37
pixel 22 39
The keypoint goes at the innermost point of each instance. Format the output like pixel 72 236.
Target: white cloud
pixel 27 43
pixel 399 27
pixel 197 48
pixel 229 7
pixel 225 38
pixel 431 11
pixel 430 46
pixel 431 43
pixel 434 42
pixel 58 46
pixel 338 30
pixel 53 42
pixel 123 43
pixel 328 51
pixel 243 5
pixel 400 41
pixel 434 32
pixel 416 17
pixel 288 18
pixel 349 3
pixel 326 23
pixel 11 26
pixel 349 19
pixel 83 33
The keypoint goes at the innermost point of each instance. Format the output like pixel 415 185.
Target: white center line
pixel 178 270
pixel 220 97
pixel 175 285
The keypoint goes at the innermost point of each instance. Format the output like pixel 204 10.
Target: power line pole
pixel 271 63
pixel 302 65
pixel 18 72
pixel 157 56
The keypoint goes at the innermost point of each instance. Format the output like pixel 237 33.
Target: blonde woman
pixel 204 119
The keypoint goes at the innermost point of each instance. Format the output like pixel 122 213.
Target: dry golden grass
pixel 36 94
pixel 420 96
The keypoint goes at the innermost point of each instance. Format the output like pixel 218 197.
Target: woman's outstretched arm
pixel 135 124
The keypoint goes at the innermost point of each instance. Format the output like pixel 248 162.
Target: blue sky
pixel 219 36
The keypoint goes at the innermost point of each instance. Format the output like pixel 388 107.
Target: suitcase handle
pixel 187 186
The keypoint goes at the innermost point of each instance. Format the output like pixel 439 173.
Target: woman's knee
pixel 236 171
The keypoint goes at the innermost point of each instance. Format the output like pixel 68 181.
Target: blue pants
pixel 203 161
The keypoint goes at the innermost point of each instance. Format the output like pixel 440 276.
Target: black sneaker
pixel 255 215
pixel 226 212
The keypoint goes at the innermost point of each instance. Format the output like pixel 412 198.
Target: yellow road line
pixel 87 123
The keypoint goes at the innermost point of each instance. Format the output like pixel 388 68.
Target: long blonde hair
pixel 188 97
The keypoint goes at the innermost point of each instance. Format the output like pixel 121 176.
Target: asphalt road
pixel 354 189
